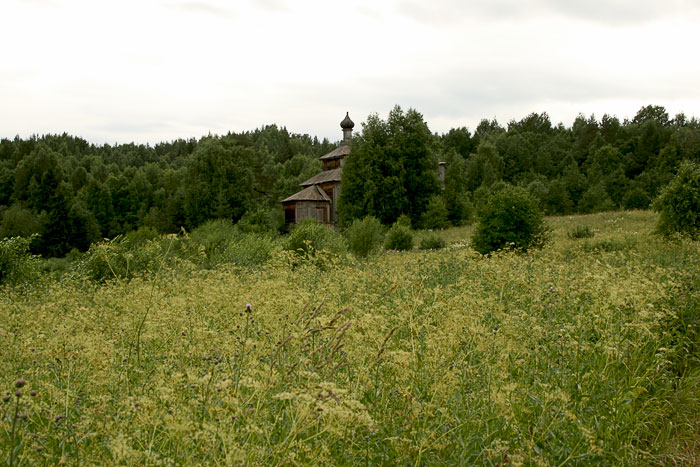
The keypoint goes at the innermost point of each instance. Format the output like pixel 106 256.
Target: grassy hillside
pixel 584 352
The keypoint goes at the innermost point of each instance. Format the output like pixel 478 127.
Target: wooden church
pixel 319 196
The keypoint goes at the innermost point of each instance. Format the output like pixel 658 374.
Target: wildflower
pixel 247 308
pixel 6 399
pixel 33 393
pixel 19 384
pixel 18 393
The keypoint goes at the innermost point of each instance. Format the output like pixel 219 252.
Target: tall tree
pixel 391 171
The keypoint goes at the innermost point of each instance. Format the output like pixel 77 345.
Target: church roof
pixel 333 175
pixel 341 151
pixel 311 193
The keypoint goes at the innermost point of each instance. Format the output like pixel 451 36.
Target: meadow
pixel 582 353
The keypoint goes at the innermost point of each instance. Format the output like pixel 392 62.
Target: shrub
pixel 121 259
pixel 262 221
pixel 214 236
pixel 637 198
pixel 595 199
pixel 364 236
pixel 432 241
pixel 580 231
pixel 435 216
pixel 609 245
pixel 404 221
pixel 511 219
pixel 399 238
pixel 17 264
pixel 249 250
pixel 310 236
pixel 678 204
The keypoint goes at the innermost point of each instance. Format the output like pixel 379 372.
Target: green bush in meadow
pixel 310 236
pixel 510 220
pixel 399 237
pixel 364 236
pixel 678 204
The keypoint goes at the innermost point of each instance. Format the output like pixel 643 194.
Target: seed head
pixel 18 393
pixel 6 398
pixel 33 393
pixel 20 383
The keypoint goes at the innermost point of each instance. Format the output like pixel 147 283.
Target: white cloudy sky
pixel 155 70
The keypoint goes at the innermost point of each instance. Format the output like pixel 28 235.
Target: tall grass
pixel 559 356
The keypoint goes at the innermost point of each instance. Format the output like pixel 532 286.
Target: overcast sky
pixel 156 70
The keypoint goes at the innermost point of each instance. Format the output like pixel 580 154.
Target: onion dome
pixel 347 124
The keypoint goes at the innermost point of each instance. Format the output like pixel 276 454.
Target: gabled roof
pixel 341 151
pixel 326 176
pixel 312 193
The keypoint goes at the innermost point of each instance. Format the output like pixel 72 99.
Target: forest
pixel 68 193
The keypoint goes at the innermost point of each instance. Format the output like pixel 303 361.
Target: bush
pixel 432 241
pixel 214 236
pixel 580 231
pixel 609 245
pixel 404 221
pixel 399 238
pixel 678 204
pixel 364 236
pixel 249 250
pixel 595 199
pixel 435 216
pixel 16 263
pixel 637 198
pixel 511 219
pixel 262 221
pixel 122 259
pixel 310 236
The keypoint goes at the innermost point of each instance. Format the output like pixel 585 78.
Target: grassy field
pixel 585 352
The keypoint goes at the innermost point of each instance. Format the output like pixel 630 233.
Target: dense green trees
pixel 70 192
pixel 392 170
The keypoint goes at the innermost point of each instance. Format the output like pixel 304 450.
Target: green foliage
pixel 364 236
pixel 311 236
pixel 580 231
pixel 262 221
pixel 511 220
pixel 126 258
pixel 404 221
pixel 73 193
pixel 17 264
pixel 18 221
pixel 595 199
pixel 392 170
pixel 637 198
pixel 214 237
pixel 399 237
pixel 561 357
pixel 679 203
pixel 249 250
pixel 432 241
pixel 435 216
pixel 609 245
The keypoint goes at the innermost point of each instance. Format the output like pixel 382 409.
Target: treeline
pixel 72 193
pixel 595 165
